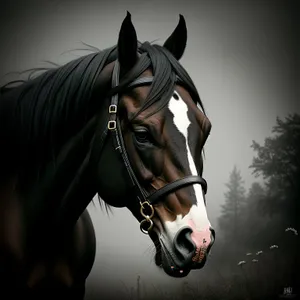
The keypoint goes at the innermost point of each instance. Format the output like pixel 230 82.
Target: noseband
pixel 146 201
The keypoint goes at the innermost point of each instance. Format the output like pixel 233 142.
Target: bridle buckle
pixel 112 109
pixel 112 125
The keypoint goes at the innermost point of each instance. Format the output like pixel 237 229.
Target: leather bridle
pixel 146 201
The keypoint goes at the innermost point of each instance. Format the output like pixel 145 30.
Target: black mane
pixel 40 115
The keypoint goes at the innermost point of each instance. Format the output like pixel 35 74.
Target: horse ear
pixel 176 42
pixel 127 45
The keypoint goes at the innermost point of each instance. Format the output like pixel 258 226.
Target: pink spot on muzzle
pixel 202 240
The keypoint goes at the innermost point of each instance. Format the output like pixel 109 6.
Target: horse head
pixel 152 164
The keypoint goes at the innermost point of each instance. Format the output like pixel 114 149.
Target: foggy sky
pixel 241 56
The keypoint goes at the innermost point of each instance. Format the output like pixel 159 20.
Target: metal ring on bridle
pixel 146 231
pixel 143 208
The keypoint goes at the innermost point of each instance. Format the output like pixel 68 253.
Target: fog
pixel 241 56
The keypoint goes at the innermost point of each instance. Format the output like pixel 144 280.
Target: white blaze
pixel 197 212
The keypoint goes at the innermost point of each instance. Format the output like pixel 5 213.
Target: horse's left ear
pixel 176 43
pixel 127 45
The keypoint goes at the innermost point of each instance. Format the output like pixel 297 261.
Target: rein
pixel 146 201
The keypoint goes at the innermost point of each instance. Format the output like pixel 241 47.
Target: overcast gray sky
pixel 240 55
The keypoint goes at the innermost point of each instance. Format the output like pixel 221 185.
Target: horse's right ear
pixel 176 42
pixel 127 45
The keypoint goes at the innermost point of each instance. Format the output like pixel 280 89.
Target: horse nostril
pixel 213 233
pixel 183 242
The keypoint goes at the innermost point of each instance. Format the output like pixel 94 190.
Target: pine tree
pixel 278 161
pixel 254 220
pixel 230 219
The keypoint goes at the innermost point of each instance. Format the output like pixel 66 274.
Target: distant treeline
pixel 260 226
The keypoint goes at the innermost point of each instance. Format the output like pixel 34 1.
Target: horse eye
pixel 142 136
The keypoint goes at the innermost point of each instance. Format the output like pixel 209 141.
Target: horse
pixel 125 123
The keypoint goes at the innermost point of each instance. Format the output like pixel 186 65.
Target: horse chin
pixel 164 261
pixel 170 268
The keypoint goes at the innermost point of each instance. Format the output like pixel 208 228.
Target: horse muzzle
pixel 188 251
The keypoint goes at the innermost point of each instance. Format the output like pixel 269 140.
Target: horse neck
pixel 65 188
pixel 45 139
